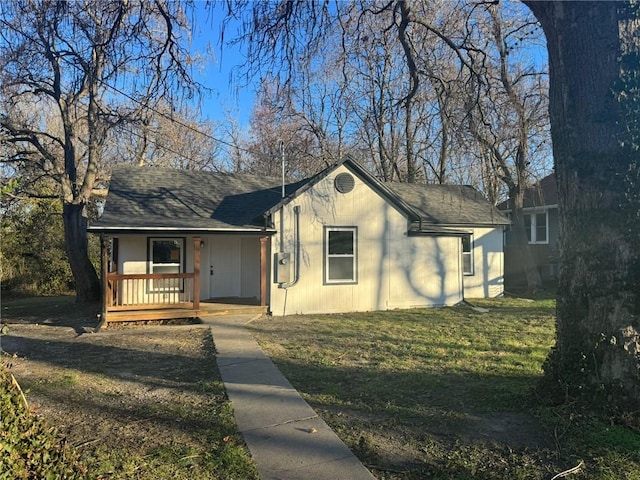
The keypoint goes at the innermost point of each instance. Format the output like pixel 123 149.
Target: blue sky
pixel 221 61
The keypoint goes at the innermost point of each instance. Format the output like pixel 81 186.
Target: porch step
pixel 221 309
pixel 173 313
pixel 143 315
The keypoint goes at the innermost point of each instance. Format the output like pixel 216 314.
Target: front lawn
pixel 141 403
pixel 446 393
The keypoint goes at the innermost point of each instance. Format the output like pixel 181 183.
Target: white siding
pixel 250 267
pixel 133 258
pixel 488 264
pixel 394 271
pixel 238 277
pixel 432 270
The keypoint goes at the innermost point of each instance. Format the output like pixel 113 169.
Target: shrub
pixel 29 448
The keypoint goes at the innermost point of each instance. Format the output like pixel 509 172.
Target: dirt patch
pixel 515 429
pixel 407 448
pixel 131 400
pixel 85 382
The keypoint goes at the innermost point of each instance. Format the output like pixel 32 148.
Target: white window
pixel 166 256
pixel 467 254
pixel 536 226
pixel 340 247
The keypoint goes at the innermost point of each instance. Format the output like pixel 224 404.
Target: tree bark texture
pixel 76 243
pixel 597 350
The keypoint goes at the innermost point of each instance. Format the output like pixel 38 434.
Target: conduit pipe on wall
pixel 296 248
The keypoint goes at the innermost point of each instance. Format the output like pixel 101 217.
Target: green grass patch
pixel 487 360
pixel 443 393
pixel 29 447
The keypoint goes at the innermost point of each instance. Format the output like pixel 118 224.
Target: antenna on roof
pixel 282 152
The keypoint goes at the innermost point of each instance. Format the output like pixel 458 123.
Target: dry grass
pixel 445 393
pixel 137 403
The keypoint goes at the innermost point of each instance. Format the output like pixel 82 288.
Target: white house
pixel 340 241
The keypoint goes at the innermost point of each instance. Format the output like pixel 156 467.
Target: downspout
pixel 296 248
pixel 281 230
pixel 461 270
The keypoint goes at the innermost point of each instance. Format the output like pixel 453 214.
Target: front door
pixel 224 267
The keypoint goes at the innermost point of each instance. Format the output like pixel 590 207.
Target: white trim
pixel 541 207
pixel 531 209
pixel 353 256
pixel 534 226
pixel 126 230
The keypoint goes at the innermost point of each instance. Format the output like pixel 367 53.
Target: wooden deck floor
pixel 209 307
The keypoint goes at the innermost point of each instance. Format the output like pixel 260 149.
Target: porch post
pixel 264 273
pixel 104 267
pixel 196 272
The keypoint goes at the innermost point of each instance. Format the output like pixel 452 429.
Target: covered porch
pixel 130 297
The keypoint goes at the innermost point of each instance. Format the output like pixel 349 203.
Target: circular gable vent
pixel 344 183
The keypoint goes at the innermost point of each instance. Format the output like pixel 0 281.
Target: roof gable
pixel 364 175
pixel 545 192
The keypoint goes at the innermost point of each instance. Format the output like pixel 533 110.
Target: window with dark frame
pixel 467 254
pixel 340 246
pixel 166 256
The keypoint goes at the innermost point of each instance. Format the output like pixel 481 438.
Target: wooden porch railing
pixel 151 291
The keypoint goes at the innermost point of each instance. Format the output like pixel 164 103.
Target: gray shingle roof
pixel 449 204
pixel 151 198
pixel 143 198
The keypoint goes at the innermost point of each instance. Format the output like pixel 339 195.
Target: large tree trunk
pixel 75 233
pixel 598 310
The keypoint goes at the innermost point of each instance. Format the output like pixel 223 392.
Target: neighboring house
pixel 340 241
pixel 542 225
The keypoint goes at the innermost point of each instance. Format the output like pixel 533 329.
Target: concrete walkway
pixel 286 438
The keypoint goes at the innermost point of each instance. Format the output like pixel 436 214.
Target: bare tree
pixel 277 130
pixel 319 104
pixel 71 64
pixel 376 55
pixel 166 138
pixel 374 80
pixel 511 114
pixel 236 156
